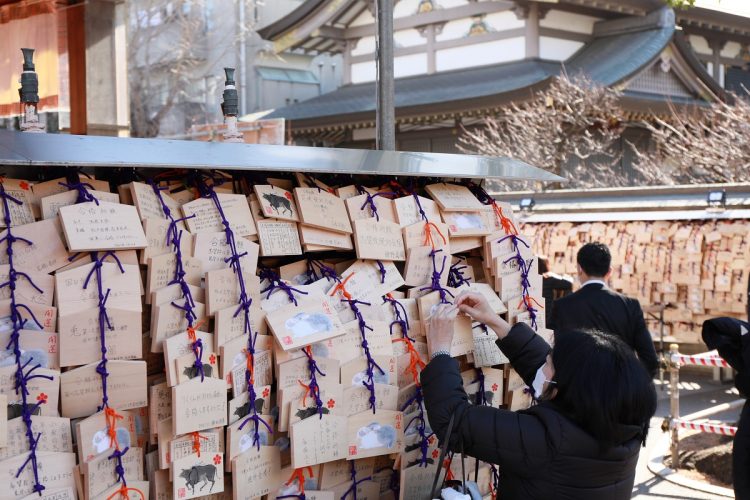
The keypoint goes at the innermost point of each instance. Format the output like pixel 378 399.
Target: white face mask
pixel 538 384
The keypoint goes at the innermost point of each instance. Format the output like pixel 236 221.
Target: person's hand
pixel 476 306
pixel 441 328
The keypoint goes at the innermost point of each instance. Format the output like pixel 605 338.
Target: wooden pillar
pixel 716 46
pixel 532 31
pixel 431 58
pixel 76 32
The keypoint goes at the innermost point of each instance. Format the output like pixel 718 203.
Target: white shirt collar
pixel 594 282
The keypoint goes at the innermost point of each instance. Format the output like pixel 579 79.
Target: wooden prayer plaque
pixel 204 217
pixel 415 235
pixel 148 204
pixel 454 198
pixel 50 205
pixel 313 320
pixel 407 211
pixel 378 240
pixel 80 341
pixel 192 473
pixel 81 388
pixel 40 389
pixel 56 471
pixel 276 203
pixel 322 237
pixel 467 223
pixel 322 209
pixel 197 405
pixel 106 226
pixel 370 435
pixel 318 440
pixel 46 254
pixel 278 238
pixel 256 473
pixel 19 214
pixel 358 208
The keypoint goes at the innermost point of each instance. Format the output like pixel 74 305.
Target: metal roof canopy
pixel 27 149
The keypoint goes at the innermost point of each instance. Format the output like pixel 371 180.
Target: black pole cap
pixel 28 59
pixel 29 91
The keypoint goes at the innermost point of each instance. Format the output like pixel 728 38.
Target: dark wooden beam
pixel 448 44
pixel 435 16
pixel 76 33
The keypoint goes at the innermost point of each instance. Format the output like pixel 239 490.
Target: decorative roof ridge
pixel 659 19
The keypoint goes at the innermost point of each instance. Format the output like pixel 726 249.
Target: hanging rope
pixel 312 388
pixel 245 302
pixel 416 364
pixel 372 365
pixel 111 416
pixel 23 373
pixel 276 284
pixel 174 239
pixel 352 490
pixel 456 276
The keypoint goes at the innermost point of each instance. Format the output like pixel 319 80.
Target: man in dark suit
pixel 554 286
pixel 595 307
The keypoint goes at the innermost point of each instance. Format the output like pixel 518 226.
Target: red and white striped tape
pixel 725 430
pixel 699 359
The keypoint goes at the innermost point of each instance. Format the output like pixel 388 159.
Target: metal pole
pixel 674 402
pixel 661 347
pixel 386 114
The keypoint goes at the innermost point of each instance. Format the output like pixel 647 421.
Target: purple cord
pixel 481 396
pixel 421 422
pixel 326 271
pixel 21 378
pixel 355 482
pixel 456 276
pixel 174 238
pixel 480 193
pixel 371 363
pixel 276 284
pixel 403 322
pixel 245 301
pixel 525 270
pixel 83 191
pixel 435 285
pixel 381 268
pixel 104 324
pixel 313 386
pixel 402 318
pixel 419 207
pixel 370 202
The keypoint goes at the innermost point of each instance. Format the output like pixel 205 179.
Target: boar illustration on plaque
pixel 278 202
pixel 199 474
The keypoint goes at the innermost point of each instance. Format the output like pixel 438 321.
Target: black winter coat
pixel 541 454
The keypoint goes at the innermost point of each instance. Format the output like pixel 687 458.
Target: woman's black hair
pixel 601 385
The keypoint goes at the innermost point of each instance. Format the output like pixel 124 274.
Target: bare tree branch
pixel 570 124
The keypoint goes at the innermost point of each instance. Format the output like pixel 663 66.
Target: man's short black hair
pixel 594 259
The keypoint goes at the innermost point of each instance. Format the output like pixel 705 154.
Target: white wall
pixel 408 38
pixel 481 54
pixel 557 49
pixel 699 44
pixel 415 64
pixel 557 19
